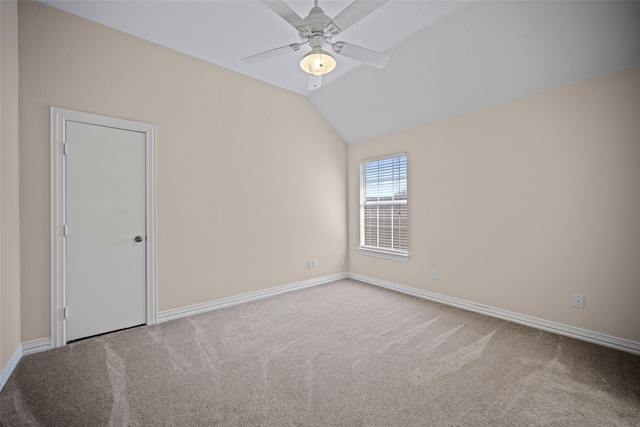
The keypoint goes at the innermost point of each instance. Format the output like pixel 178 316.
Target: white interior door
pixel 105 212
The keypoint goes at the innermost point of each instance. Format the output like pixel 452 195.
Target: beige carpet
pixel 341 354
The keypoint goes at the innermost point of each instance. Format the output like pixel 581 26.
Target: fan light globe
pixel 318 62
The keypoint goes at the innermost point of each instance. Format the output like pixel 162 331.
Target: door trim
pixel 59 116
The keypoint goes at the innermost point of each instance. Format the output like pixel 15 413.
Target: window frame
pixel 378 251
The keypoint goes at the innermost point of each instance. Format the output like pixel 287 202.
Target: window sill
pixel 395 256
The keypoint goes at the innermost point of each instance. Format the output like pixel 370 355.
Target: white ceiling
pixel 447 57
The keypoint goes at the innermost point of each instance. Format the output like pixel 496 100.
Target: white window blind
pixel 383 205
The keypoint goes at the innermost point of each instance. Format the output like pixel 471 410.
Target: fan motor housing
pixel 318 22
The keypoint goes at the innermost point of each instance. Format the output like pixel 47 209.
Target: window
pixel 383 207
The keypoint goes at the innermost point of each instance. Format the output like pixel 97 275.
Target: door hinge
pixel 65 231
pixel 66 313
pixel 65 148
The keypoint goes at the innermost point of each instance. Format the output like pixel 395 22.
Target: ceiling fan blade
pixel 314 81
pixel 293 47
pixel 368 56
pixel 353 13
pixel 288 14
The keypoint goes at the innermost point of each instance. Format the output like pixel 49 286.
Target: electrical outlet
pixel 309 264
pixel 578 300
pixel 434 274
pixel 341 261
pixel 315 263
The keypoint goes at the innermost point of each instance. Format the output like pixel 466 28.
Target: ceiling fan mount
pixel 317 30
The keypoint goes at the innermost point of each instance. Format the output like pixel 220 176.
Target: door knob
pixel 138 239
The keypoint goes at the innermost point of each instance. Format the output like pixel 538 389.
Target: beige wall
pixel 246 195
pixel 9 202
pixel 521 205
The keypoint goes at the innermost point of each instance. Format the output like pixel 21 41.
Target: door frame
pixel 59 117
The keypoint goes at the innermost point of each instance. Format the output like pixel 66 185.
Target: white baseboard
pixel 36 346
pixel 177 313
pixel 633 347
pixel 25 349
pixel 534 322
pixel 7 370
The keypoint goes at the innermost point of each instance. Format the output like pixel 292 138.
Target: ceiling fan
pixel 317 31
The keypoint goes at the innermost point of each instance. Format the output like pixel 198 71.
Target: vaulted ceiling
pixel 447 57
